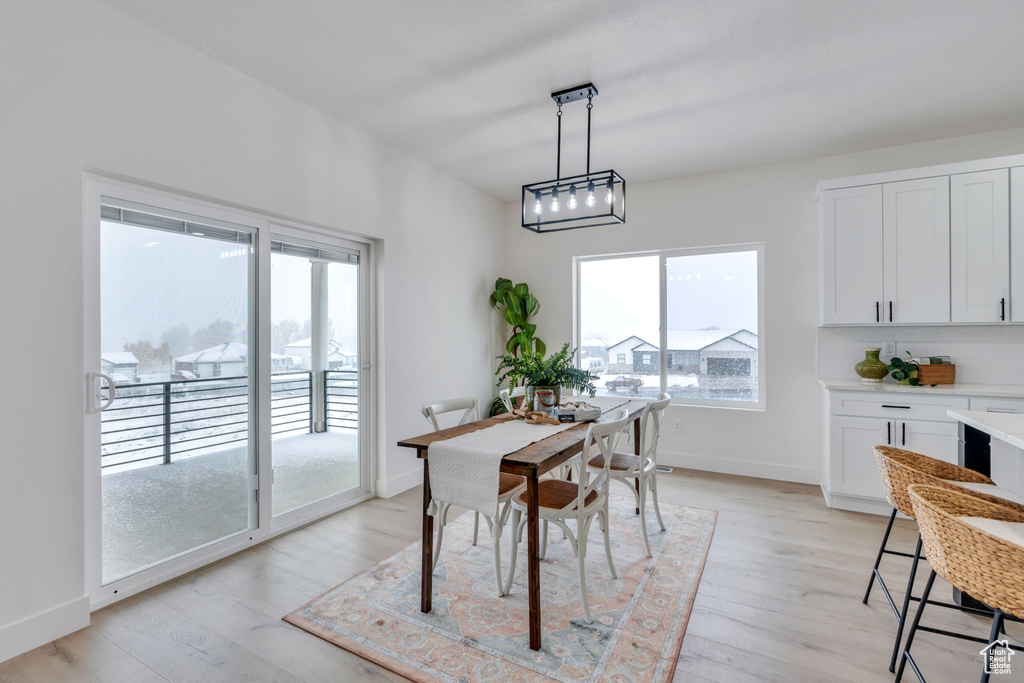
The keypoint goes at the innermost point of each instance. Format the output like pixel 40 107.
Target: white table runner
pixel 464 469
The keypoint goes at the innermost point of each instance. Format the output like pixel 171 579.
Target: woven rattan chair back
pixel 985 566
pixel 900 468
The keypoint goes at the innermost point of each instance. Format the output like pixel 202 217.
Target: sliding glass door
pixel 176 454
pixel 227 375
pixel 315 387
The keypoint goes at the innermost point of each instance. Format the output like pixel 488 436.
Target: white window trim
pixel 663 255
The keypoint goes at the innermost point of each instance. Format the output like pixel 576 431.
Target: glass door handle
pixel 95 393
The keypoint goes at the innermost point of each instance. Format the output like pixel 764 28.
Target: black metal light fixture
pixel 580 201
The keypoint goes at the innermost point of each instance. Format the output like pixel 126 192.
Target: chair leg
pixel 643 514
pixel 476 525
pixel 997 625
pixel 440 521
pixel 516 514
pixel 878 559
pixel 607 537
pixel 654 499
pixel 639 496
pixel 496 531
pixel 543 540
pixel 906 605
pixel 582 529
pixel 913 630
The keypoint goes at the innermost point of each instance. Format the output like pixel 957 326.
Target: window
pixel 699 309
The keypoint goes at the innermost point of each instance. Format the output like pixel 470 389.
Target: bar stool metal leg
pixel 878 560
pixel 913 630
pixel 906 605
pixel 997 625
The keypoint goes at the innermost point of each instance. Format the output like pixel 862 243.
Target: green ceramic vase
pixel 871 370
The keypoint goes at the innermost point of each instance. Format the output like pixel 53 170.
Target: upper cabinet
pixel 915 257
pixel 927 246
pixel 852 255
pixel 880 247
pixel 979 230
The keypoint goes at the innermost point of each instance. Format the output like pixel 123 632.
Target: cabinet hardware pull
pixel 890 311
pixel 904 433
pixel 1005 411
pixel 878 313
pixel 1002 308
pixel 885 405
pixel 888 433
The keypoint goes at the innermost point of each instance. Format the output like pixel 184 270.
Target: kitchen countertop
pixel 891 386
pixel 1008 427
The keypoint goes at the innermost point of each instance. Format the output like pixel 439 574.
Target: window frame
pixel 663 256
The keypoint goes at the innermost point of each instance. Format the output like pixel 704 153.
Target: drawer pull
pixel 885 405
pixel 1008 411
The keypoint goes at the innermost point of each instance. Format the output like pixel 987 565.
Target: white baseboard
pixel 760 470
pixel 403 482
pixel 872 506
pixel 42 628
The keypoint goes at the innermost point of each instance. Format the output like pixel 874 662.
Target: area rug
pixel 473 635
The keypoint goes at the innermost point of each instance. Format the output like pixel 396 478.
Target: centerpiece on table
pixel 545 377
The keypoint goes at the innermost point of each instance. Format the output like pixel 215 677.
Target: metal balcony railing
pixel 160 422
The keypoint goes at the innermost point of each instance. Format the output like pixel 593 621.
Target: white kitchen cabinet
pixel 851 242
pixel 860 420
pixel 885 253
pixel 979 218
pixel 1017 244
pixel 915 243
pixel 1007 461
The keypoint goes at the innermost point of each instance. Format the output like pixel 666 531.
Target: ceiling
pixel 687 87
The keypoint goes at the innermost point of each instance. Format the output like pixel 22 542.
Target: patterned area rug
pixel 473 635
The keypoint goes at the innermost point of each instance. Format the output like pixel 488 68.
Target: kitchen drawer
pixel 893 405
pixel 998 405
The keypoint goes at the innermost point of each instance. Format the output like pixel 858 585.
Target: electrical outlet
pixel 677 426
pixel 889 350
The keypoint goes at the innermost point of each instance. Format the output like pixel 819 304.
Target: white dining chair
pixel 582 500
pixel 508 485
pixel 639 472
pixel 508 397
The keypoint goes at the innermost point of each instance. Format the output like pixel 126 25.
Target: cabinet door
pixel 1017 245
pixel 915 228
pixel 934 439
pixel 851 263
pixel 853 470
pixel 979 234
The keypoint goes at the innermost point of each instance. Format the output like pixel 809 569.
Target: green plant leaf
pixel 913 381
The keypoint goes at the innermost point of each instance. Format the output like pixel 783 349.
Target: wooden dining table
pixel 530 462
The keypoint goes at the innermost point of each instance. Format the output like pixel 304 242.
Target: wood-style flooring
pixel 780 600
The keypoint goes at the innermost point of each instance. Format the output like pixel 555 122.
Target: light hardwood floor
pixel 780 599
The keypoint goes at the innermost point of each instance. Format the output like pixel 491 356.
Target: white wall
pixel 771 204
pixel 86 88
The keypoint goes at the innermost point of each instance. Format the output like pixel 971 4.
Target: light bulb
pixel 609 196
pixel 538 208
pixel 591 199
pixel 554 201
pixel 572 204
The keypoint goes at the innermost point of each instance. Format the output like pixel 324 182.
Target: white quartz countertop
pixel 891 386
pixel 1008 427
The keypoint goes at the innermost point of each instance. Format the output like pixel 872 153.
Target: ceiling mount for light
pixel 590 199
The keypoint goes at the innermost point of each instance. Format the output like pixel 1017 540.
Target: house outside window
pixel 700 310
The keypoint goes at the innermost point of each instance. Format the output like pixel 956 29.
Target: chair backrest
pixel 470 406
pixel 899 468
pixel 507 396
pixel 650 429
pixel 601 435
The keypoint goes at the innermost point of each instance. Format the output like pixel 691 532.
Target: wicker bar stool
pixel 899 469
pixel 972 559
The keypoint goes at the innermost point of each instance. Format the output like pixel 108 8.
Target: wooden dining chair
pixel 508 485
pixel 639 472
pixel 559 501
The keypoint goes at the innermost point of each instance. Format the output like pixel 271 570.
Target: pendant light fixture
pixel 580 201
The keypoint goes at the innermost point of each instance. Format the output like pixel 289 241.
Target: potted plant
pixel 539 373
pixel 518 306
pixel 904 372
